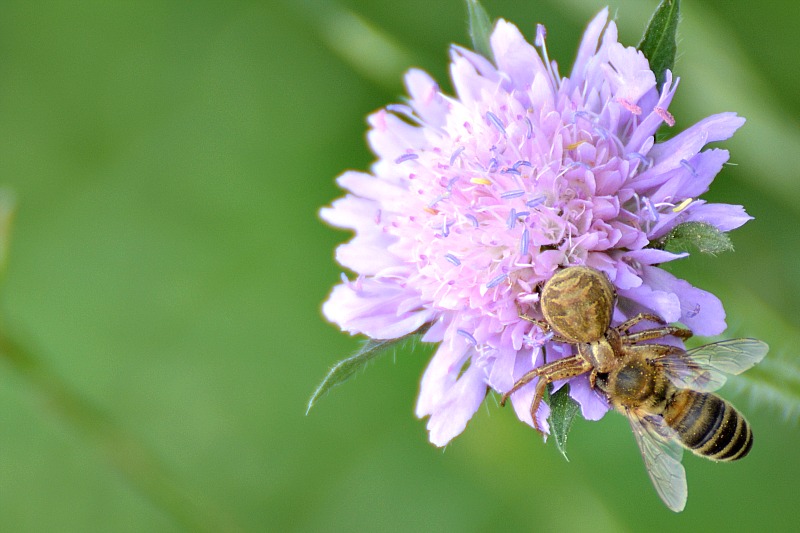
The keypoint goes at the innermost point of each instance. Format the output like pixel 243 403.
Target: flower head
pixel 478 198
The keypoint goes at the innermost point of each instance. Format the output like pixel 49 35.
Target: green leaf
pixel 347 368
pixel 700 235
pixel 480 28
pixel 659 44
pixel 562 412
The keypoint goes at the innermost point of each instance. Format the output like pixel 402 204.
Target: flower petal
pixel 426 99
pixel 457 406
pixel 685 145
pixel 588 46
pixel 593 406
pixel 371 309
pixel 515 56
pixel 700 311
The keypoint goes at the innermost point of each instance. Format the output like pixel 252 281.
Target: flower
pixel 477 198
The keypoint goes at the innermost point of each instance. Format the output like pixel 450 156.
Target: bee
pixel 666 394
pixel 663 390
pixel 577 304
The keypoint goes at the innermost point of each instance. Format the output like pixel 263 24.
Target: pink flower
pixel 477 198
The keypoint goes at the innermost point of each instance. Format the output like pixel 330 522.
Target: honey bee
pixel 577 304
pixel 665 391
pixel 666 394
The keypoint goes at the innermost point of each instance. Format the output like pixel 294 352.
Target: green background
pixel 167 267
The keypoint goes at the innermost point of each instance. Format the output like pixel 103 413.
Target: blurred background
pixel 161 331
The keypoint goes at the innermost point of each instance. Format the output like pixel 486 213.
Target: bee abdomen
pixel 710 426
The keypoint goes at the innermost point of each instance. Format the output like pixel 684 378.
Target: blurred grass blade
pixel 774 382
pixel 563 410
pixel 480 28
pixel 366 48
pixel 659 44
pixel 124 451
pixel 347 368
pixel 8 205
pixel 700 235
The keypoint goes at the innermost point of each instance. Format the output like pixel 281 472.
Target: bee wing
pixel 705 368
pixel 662 458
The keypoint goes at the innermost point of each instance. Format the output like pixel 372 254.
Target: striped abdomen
pixel 708 425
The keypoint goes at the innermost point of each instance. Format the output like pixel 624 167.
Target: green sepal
pixel 347 368
pixel 563 410
pixel 700 235
pixel 480 28
pixel 659 44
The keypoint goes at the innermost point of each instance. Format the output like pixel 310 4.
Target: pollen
pixel 683 205
pixel 574 145
pixel 480 181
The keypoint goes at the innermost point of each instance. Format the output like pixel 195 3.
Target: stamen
pixel 436 200
pixel 637 155
pixel 683 205
pixel 491 117
pixel 541 35
pixel 492 164
pixel 511 221
pixel 523 214
pixel 630 106
pixel 665 115
pixel 585 115
pixel 510 170
pixel 539 200
pixel 430 210
pixel 512 194
pixel 524 242
pixel 688 166
pixel 480 181
pixel 445 227
pixel 406 157
pixel 456 154
pixel 601 132
pixel 574 145
pixel 467 336
pixel 529 133
pixel 472 219
pixel 453 259
pixel 404 110
pixel 450 184
pixel 521 163
pixel 496 281
pixel 648 205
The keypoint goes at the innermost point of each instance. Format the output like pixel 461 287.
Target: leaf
pixel 705 237
pixel 659 44
pixel 562 412
pixel 347 368
pixel 480 28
